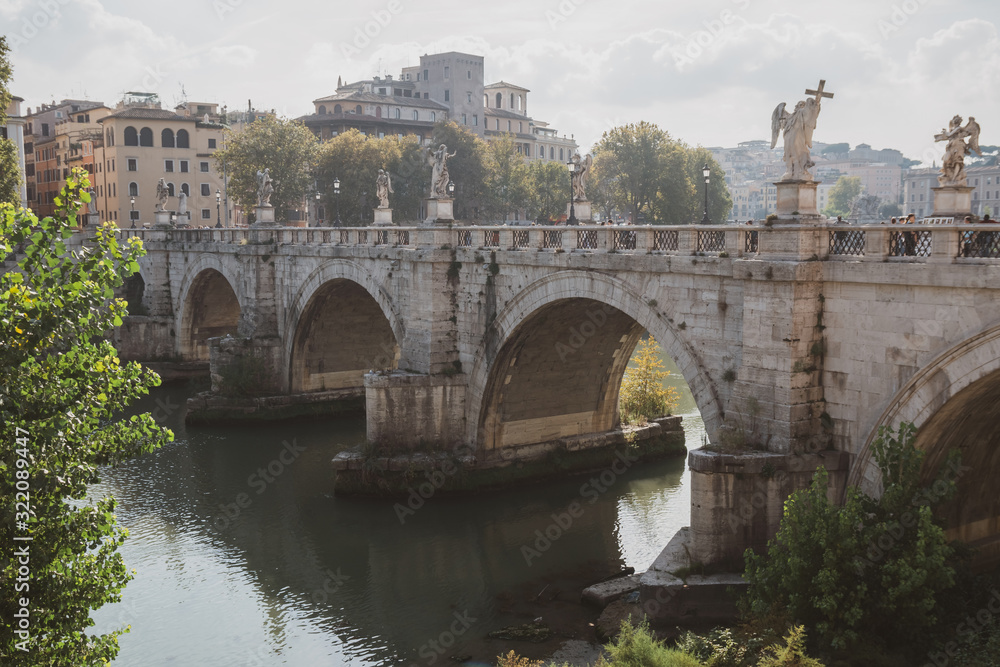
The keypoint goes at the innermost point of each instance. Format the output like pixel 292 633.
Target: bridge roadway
pixel 797 341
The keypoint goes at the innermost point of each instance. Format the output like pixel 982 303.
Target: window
pixel 132 164
pixel 426 94
pixel 434 116
pixel 416 115
pixel 520 127
pixel 133 189
pixel 508 126
pixel 184 166
pixel 337 108
pixel 465 119
pixel 468 97
pixel 396 113
pixel 145 137
pixel 183 140
pixel 425 75
pixel 322 110
pixel 131 136
pixel 114 189
pixel 133 215
pixel 45 129
pixel 475 120
pixel 211 142
pixel 170 189
pixel 168 165
pixel 206 190
pixel 357 109
pixel 512 101
pixel 186 189
pixel 561 154
pixel 447 72
pixel 206 214
pixel 498 124
pixel 499 100
pixel 167 138
pixel 203 166
pixel 447 95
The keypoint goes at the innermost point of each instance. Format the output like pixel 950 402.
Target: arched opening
pixel 322 110
pixel 186 189
pixel 133 189
pixel 337 108
pixel 357 109
pixel 211 310
pixel 183 140
pixel 167 138
pixel 341 335
pixel 131 136
pixel 170 190
pixel 558 374
pixel 967 422
pixel 499 100
pixel 145 137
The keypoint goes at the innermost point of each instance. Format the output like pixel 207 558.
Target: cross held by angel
pixel 953 166
pixel 798 129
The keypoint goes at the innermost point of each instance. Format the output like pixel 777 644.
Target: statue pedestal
pixel 952 201
pixel 161 219
pixel 797 199
pixel 92 220
pixel 439 211
pixel 383 217
pixel 264 216
pixel 583 211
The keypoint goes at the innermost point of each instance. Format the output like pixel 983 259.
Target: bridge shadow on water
pixel 244 557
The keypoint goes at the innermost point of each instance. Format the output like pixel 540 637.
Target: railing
pixel 711 240
pixel 848 242
pixel 923 242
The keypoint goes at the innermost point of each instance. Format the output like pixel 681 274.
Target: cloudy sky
pixel 709 72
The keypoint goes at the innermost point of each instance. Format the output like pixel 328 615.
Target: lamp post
pixel 451 189
pixel 218 208
pixel 572 209
pixel 132 214
pixel 336 196
pixel 706 172
pixel 319 222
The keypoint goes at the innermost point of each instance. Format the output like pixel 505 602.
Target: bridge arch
pixel 952 401
pixel 571 325
pixel 340 324
pixel 208 306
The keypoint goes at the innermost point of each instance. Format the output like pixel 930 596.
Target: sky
pixel 709 72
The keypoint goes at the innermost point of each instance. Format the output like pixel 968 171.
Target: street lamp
pixel 319 223
pixel 218 208
pixel 572 210
pixel 336 196
pixel 451 189
pixel 705 171
pixel 132 214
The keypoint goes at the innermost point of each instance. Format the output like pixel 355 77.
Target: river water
pixel 243 556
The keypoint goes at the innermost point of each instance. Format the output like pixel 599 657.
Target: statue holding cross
pixel 798 129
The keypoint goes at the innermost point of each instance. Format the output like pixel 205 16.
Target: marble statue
pixel 182 205
pixel 953 168
pixel 383 187
pixel 439 171
pixel 579 176
pixel 798 129
pixel 265 187
pixel 92 204
pixel 865 208
pixel 162 192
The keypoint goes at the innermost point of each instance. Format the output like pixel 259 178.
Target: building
pixel 455 80
pixel 14 129
pixel 143 143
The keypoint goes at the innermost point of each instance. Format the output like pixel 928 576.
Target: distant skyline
pixel 710 74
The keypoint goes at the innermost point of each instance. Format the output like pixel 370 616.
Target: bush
pixel 722 647
pixel 792 654
pixel 643 395
pixel 636 647
pixel 865 576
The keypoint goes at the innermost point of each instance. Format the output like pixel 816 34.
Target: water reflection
pixel 244 558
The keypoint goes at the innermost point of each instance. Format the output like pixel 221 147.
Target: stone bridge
pixel 798 341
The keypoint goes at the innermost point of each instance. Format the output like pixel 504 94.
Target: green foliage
pixel 507 185
pixel 889 210
pixel 286 147
pixel 866 575
pixel 514 660
pixel 842 194
pixel 10 170
pixel 61 389
pixel 721 647
pixel 836 148
pixel 549 191
pixel 636 647
pixel 791 654
pixel 642 395
pixel 6 72
pixel 355 159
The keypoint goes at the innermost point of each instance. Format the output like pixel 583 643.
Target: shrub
pixel 643 395
pixel 636 647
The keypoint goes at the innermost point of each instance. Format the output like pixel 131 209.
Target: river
pixel 243 556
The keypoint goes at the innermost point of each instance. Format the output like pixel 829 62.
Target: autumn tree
pixel 286 147
pixel 643 396
pixel 62 387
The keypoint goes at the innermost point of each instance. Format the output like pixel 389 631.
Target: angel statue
pixel 579 176
pixel 265 187
pixel 162 192
pixel 383 186
pixel 439 171
pixel 798 127
pixel 953 168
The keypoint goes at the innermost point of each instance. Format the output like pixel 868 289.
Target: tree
pixel 61 387
pixel 720 204
pixel 549 191
pixel 842 194
pixel 642 394
pixel 467 169
pixel 10 171
pixel 841 148
pixel 286 147
pixel 866 575
pixel 889 209
pixel 506 187
pixel 632 159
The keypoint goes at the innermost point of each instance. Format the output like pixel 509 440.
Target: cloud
pixel 238 55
